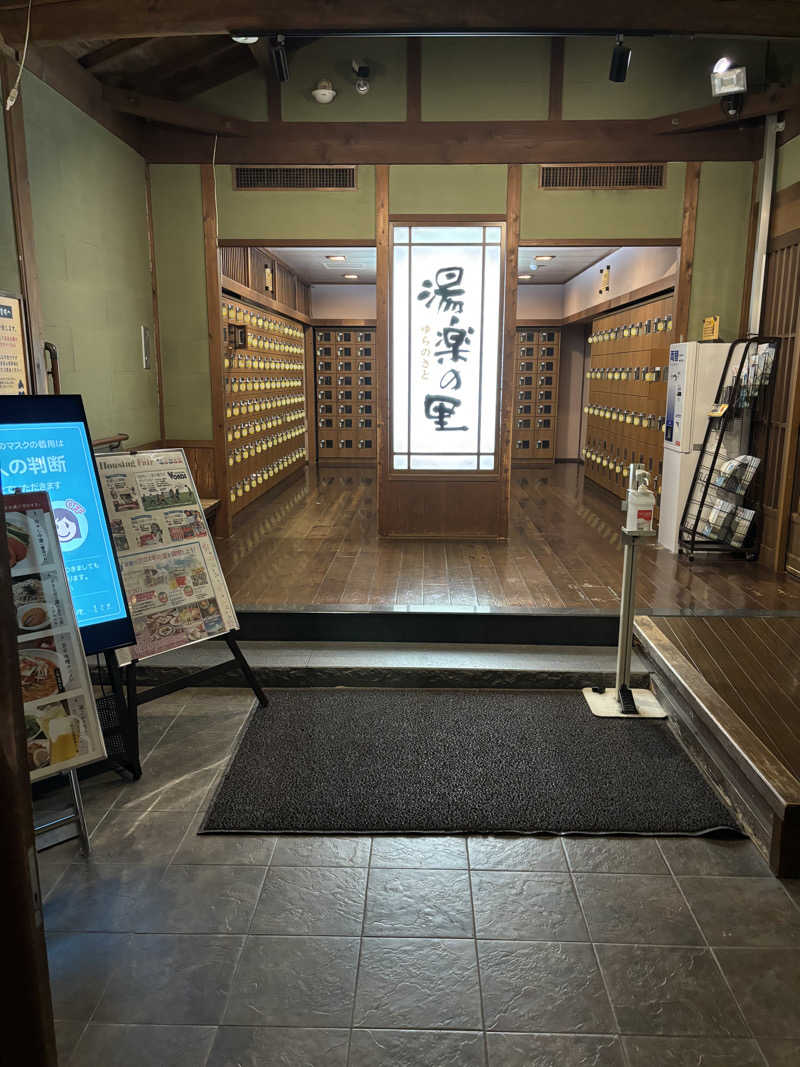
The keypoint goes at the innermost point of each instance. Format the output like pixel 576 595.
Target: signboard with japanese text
pixel 63 730
pixel 13 362
pixel 446 334
pixel 172 577
pixel 45 448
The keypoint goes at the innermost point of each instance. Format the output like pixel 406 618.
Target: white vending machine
pixel 695 368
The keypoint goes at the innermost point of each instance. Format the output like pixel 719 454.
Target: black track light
pixel 280 59
pixel 620 61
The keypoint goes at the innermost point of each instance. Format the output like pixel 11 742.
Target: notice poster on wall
pixel 170 570
pixel 13 364
pixel 61 722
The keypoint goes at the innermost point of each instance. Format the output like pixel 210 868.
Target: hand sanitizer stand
pixel 623 701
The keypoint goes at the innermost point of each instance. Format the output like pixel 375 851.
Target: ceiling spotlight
pixel 729 83
pixel 280 59
pixel 324 93
pixel 242 37
pixel 525 277
pixel 336 259
pixel 722 64
pixel 351 277
pixel 543 259
pixel 620 61
pixel 361 71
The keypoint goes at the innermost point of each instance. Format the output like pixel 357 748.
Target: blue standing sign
pixel 45 447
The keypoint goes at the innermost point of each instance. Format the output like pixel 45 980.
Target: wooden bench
pixel 210 508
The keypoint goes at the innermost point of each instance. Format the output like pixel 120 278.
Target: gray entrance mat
pixel 456 761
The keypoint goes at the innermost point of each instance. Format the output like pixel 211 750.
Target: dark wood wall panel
pixel 780 317
pixel 234 263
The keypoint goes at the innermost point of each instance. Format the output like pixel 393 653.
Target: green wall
pixel 602 214
pixel 665 75
pixel 276 214
pixel 90 231
pixel 244 97
pixel 787 170
pixel 501 78
pixel 332 58
pixel 448 189
pixel 723 209
pixel 181 277
pixel 9 267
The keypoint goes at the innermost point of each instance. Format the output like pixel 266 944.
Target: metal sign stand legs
pixel 78 816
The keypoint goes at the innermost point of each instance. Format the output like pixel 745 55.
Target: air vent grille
pixel 294 177
pixel 602 176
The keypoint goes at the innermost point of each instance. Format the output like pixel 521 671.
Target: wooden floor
pixel 315 543
pixel 754 665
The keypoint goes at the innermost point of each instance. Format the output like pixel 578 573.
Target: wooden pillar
pixel 381 361
pixel 23 226
pixel 513 206
pixel 151 247
pixel 27 1005
pixel 213 297
pixel 683 294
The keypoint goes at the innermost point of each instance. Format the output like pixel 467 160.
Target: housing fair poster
pixel 172 577
pixel 63 730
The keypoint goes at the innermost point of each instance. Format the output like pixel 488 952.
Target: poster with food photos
pixel 173 581
pixel 63 730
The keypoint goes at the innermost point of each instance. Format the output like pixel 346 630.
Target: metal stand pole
pixel 80 814
pixel 626 613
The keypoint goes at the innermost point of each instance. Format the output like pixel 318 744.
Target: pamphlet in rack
pixel 172 577
pixel 63 729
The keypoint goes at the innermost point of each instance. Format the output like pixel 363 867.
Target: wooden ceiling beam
pixel 754 106
pixel 175 114
pixel 61 72
pixel 99 19
pixel 112 50
pixel 171 70
pixel 589 141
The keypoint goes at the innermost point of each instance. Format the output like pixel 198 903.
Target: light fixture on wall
pixel 336 259
pixel 280 58
pixel 351 277
pixel 729 83
pixel 243 37
pixel 620 61
pixel 361 71
pixel 323 92
pixel 543 259
pixel 525 277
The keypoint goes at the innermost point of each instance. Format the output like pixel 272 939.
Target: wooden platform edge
pixel 762 791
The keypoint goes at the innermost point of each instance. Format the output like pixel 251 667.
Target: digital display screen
pixel 54 455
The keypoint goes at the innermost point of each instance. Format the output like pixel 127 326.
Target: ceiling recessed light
pixel 336 259
pixel 543 259
pixel 525 277
pixel 351 277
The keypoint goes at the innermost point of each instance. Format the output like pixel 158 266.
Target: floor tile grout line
pixel 360 953
pixel 710 949
pixel 617 1029
pixel 478 964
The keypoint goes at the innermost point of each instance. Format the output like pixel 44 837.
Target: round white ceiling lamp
pixel 323 92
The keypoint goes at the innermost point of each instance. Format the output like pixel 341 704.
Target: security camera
pixel 361 71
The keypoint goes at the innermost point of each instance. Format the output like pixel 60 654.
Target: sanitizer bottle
pixel 641 506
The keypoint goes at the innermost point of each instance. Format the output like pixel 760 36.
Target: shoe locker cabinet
pixel 346 395
pixel 627 391
pixel 264 397
pixel 535 407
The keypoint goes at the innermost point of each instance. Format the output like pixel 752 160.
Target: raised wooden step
pixel 745 740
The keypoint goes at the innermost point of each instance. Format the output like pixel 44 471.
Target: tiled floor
pixel 173 950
